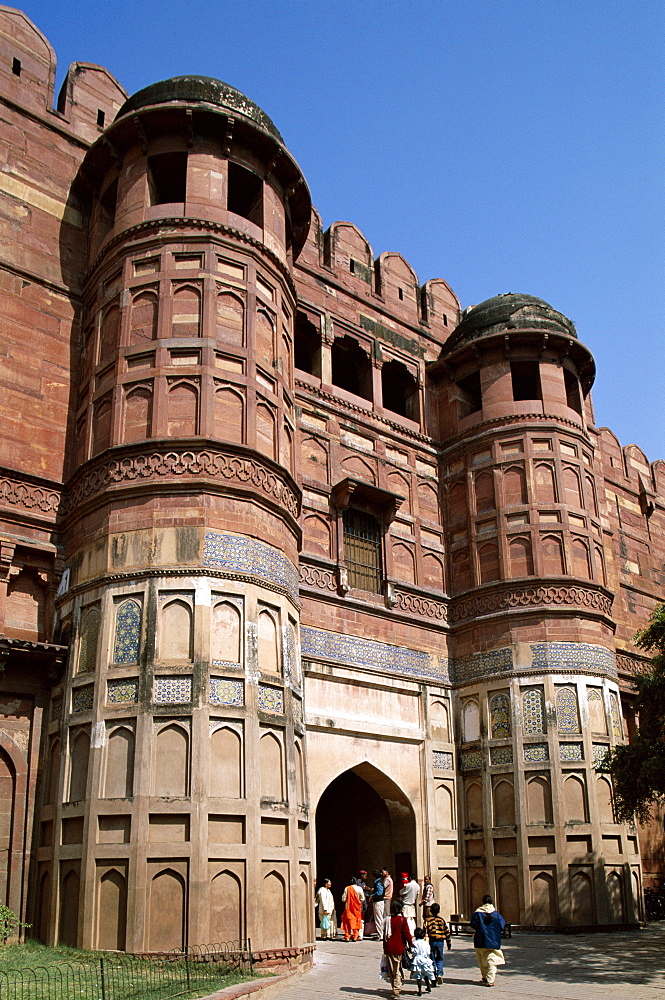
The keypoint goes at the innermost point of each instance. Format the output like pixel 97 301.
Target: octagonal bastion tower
pixel 183 774
pixel 538 701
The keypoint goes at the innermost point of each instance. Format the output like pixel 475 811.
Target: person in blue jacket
pixel 488 924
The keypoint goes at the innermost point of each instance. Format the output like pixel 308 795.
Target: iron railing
pixel 117 976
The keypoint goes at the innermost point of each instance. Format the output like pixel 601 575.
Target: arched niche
pixel 440 720
pixel 317 535
pixel 477 889
pixel 176 630
pixel 226 906
pixel 171 761
pixel 508 901
pixel 445 810
pixel 274 910
pixel 229 415
pixel 543 899
pixel 166 922
pixel 271 756
pixel 230 319
pixel 574 799
pixel 604 800
pixel 226 770
pixel 539 799
pixel 265 430
pixel 471 721
pixel 182 410
pixel 225 632
pixel 582 899
pixel 112 911
pixel 143 318
pixel 90 624
pixel 119 779
pixel 138 414
pixel 70 887
pixel 186 312
pixel 474 804
pixel 504 803
pixel 268 642
pixel 78 765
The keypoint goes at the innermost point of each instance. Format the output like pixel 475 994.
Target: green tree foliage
pixel 638 769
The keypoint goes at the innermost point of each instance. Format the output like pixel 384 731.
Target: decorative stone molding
pixel 352 650
pixel 183 463
pixel 534 596
pixel 318 577
pixel 17 493
pixel 419 604
pixel 366 414
pixel 627 664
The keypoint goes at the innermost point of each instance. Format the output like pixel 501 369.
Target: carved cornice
pixel 181 464
pixel 153 227
pixel 16 492
pixel 558 595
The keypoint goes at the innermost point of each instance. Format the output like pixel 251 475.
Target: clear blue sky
pixel 504 145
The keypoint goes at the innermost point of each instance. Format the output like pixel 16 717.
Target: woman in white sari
pixel 326 909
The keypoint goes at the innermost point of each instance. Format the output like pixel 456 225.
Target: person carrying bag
pixel 397 942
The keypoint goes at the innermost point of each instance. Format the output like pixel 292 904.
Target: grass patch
pixel 33 971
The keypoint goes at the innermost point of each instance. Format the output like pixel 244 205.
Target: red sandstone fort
pixel 286 536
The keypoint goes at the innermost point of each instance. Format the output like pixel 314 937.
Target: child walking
pixel 421 963
pixel 438 932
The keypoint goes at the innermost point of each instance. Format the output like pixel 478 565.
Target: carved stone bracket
pixel 421 605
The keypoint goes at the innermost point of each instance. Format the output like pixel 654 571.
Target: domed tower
pixel 179 786
pixel 534 660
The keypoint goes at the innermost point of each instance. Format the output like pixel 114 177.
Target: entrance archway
pixel 363 820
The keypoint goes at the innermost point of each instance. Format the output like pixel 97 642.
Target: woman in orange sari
pixel 352 917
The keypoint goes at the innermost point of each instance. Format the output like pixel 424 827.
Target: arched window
pixel 127 632
pixel 307 346
pixel 143 318
pixel 230 319
pixel 362 550
pixel 488 561
pixel 400 390
pixel 268 644
pixel 533 715
pixel 90 623
pixel 186 312
pixel 351 368
pixel 138 414
pixel 521 561
pixel 500 716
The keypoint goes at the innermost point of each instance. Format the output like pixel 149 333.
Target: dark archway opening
pixel 351 368
pixel 363 820
pixel 400 390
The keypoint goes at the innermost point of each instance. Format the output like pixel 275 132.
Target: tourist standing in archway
pixel 326 906
pixel 378 901
pixel 352 917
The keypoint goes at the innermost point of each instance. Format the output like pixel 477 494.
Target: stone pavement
pixel 625 966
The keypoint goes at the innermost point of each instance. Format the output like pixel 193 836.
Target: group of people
pixel 370 910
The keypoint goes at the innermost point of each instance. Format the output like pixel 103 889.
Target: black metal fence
pixel 115 976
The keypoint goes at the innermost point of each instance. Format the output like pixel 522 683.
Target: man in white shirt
pixel 409 894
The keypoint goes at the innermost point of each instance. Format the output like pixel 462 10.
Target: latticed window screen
pixel 362 550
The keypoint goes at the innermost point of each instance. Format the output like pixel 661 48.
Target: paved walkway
pixel 629 966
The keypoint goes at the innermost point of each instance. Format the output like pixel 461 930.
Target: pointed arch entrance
pixel 363 820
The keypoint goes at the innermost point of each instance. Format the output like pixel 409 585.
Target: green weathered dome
pixel 199 90
pixel 511 311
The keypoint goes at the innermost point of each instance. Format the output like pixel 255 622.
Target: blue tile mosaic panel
pixel 226 692
pixel 494 661
pixel 121 691
pixel 533 714
pixel 501 755
pixel 127 632
pixel 471 758
pixel 616 716
pixel 90 622
pixel 536 753
pixel 599 751
pixel 271 699
pixel 567 719
pixel 83 698
pixel 173 690
pixel 239 554
pixel 500 716
pixel 442 759
pixel 570 751
pixel 573 656
pixel 350 649
pixel 444 668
